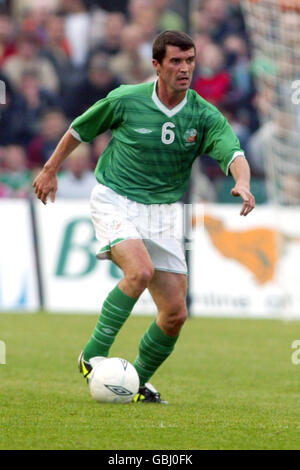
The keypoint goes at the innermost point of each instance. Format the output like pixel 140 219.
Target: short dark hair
pixel 170 38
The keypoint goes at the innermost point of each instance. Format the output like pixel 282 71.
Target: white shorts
pixel 117 218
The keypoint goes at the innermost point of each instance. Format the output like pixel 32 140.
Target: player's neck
pixel 169 97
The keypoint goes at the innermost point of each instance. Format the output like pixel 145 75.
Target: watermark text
pixel 296 93
pixel 2 92
pixel 296 354
pixel 2 352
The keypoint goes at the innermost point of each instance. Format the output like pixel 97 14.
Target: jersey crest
pixel 190 136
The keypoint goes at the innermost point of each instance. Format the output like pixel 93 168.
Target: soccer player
pixel 158 129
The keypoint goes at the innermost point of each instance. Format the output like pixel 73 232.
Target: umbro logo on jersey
pixel 142 130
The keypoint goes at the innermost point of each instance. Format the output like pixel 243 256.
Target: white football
pixel 114 380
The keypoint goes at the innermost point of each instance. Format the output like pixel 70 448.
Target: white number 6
pixel 167 136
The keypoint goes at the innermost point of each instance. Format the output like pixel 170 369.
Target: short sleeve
pixel 103 115
pixel 220 141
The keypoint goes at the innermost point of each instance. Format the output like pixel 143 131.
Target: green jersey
pixel 150 155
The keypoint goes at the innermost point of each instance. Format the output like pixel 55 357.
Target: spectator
pixel 239 100
pixel 53 126
pixel 143 14
pixel 273 133
pixel 201 40
pixel 213 82
pixel 257 148
pixel 97 27
pixel 34 20
pixel 111 42
pixel 15 178
pixel 27 58
pixel 242 131
pixel 96 85
pixel 110 7
pixel 57 49
pixel 135 8
pixel 78 180
pixel 11 115
pixel 167 18
pixel 129 64
pixel 217 19
pixel 238 64
pixel 35 100
pixel 210 18
pixel 148 22
pixel 77 30
pixel 202 189
pixel 289 30
pixel 7 40
pixel 235 18
pixel 21 7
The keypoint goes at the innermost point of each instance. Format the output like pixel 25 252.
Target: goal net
pixel 274 28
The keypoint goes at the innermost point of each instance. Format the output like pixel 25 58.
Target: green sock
pixel 154 348
pixel 115 311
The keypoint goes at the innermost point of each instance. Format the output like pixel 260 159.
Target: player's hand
pixel 45 184
pixel 242 191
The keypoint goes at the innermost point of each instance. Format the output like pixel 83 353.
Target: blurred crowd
pixel 57 57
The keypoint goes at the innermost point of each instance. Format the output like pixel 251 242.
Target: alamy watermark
pixel 2 352
pixel 2 92
pixel 296 94
pixel 156 221
pixel 296 354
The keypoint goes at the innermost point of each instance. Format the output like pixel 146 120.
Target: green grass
pixel 230 383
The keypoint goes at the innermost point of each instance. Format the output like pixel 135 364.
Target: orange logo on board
pixel 257 249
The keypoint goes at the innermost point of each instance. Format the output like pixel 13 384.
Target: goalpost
pixel 274 29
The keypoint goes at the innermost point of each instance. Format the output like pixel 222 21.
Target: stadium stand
pixel 55 50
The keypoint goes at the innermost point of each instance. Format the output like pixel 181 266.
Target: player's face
pixel 176 69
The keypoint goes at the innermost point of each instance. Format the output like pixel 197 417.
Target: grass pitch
pixel 230 383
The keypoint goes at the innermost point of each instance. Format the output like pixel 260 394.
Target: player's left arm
pixel 240 171
pixel 222 144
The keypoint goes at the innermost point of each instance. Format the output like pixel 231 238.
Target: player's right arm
pixel 103 115
pixel 45 183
